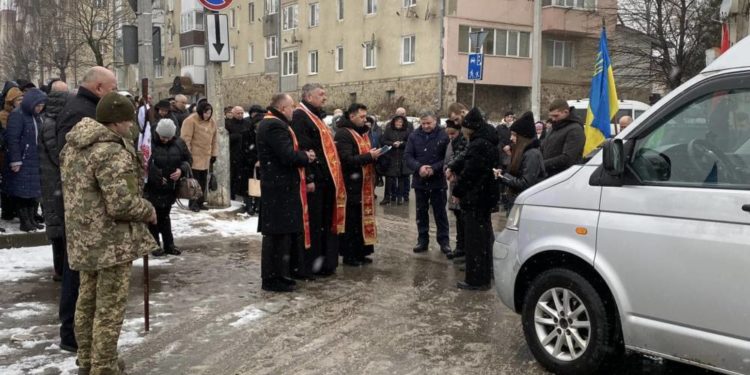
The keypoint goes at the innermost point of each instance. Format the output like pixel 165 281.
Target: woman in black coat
pixel 396 172
pixel 526 164
pixel 170 161
pixel 250 155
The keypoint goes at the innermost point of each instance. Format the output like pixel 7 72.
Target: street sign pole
pixel 476 62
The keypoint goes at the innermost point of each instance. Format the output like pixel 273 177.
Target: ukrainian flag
pixel 602 99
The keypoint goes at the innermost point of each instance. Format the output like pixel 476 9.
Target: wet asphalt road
pixel 400 315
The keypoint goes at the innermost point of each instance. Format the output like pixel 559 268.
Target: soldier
pixel 106 230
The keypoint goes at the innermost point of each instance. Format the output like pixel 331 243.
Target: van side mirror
pixel 614 157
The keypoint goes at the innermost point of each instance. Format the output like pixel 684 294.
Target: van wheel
pixel 567 325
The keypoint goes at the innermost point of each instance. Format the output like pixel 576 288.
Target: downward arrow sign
pixel 217 25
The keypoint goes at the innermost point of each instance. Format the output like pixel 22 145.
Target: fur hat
pixel 113 108
pixel 474 119
pixel 525 126
pixel 164 103
pixel 166 128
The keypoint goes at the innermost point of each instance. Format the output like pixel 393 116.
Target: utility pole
pixel 536 61
pixel 215 95
pixel 145 47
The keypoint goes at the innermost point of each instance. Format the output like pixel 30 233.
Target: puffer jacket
pixel 50 166
pixel 160 190
pixel 21 139
pixel 105 216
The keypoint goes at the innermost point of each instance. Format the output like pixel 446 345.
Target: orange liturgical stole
pixel 369 228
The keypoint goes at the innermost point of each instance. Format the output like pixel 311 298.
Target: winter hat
pixel 525 126
pixel 474 119
pixel 164 103
pixel 113 108
pixel 452 125
pixel 166 128
pixel 13 94
pixel 256 109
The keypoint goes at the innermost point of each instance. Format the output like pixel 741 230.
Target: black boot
pixel 172 250
pixel 27 223
pixel 386 201
pixel 33 216
pixel 253 209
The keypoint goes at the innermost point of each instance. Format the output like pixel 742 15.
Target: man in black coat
pixel 97 82
pixel 562 147
pixel 179 109
pixel 282 165
pixel 236 125
pixel 477 192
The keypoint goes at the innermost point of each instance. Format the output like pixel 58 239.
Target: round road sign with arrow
pixel 216 5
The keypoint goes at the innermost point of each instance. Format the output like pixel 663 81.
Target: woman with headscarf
pixel 526 163
pixel 200 136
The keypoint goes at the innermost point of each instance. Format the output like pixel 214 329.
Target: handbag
pixel 189 188
pixel 213 183
pixel 253 186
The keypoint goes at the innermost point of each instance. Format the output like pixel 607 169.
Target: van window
pixel 637 113
pixel 705 143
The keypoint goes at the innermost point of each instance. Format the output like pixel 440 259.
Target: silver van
pixel 646 246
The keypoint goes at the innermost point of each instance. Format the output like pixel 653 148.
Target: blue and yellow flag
pixel 602 99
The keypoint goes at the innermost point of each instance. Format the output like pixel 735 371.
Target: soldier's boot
pixel 120 369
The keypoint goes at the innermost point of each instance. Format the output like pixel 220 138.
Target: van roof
pixel 736 57
pixel 629 103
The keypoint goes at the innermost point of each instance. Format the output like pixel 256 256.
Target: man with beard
pixel 326 188
pixel 357 161
pixel 563 144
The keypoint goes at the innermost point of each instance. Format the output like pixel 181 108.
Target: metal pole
pixel 144 88
pixel 145 48
pixel 473 93
pixel 536 61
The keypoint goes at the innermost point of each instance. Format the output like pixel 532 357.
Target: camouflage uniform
pixel 106 230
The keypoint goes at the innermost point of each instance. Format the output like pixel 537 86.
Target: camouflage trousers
pixel 100 310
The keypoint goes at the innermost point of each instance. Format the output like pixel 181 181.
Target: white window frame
pixel 188 56
pixel 272 6
pixel 412 39
pixel 562 44
pixel 369 47
pixel 409 3
pixel 575 4
pixel 340 10
pixel 191 20
pixel 289 60
pixel 251 11
pixel 289 17
pixel 313 15
pixel 158 70
pixel 371 7
pixel 339 55
pixel 250 53
pixel 313 55
pixel 272 47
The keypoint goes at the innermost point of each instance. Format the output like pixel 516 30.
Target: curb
pixel 32 239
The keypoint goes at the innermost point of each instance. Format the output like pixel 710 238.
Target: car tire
pixel 546 295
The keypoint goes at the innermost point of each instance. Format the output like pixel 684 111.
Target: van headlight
pixel 513 218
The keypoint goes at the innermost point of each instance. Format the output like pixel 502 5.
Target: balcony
pixel 571 21
pixel 196 73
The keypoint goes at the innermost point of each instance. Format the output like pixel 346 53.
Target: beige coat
pixel 201 139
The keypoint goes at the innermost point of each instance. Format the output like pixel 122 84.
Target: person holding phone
pixel 397 172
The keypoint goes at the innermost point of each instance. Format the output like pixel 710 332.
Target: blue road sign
pixel 476 66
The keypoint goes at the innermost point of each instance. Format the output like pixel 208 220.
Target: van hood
pixel 548 183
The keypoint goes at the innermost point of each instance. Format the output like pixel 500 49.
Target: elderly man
pixel 102 179
pixel 236 125
pixel 179 109
pixel 97 82
pixel 624 122
pixel 283 215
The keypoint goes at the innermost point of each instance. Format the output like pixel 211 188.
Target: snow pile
pixel 24 263
pixel 25 310
pixel 246 316
pixel 221 222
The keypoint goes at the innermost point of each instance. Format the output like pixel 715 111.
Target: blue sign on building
pixel 476 66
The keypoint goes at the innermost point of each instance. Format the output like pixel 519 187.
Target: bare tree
pixel 20 57
pixel 60 40
pixel 664 41
pixel 97 22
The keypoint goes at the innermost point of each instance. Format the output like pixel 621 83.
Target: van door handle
pixel 746 207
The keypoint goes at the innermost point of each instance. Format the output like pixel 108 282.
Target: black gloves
pixel 213 160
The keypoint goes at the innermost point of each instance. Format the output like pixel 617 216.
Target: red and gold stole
pixel 334 165
pixel 302 184
pixel 369 228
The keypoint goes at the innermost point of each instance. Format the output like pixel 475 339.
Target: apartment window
pixel 581 4
pixel 250 53
pixel 290 17
pixel 289 67
pixel 272 6
pixel 371 6
pixel 232 18
pixel 498 42
pixel 408 49
pixel 272 47
pixel 232 55
pixel 188 56
pixel 339 58
pixel 251 12
pixel 191 20
pixel 369 55
pixel 158 70
pixel 100 3
pixel 312 62
pixel 314 15
pixel 340 10
pixel 99 26
pixel 558 53
pixel 410 3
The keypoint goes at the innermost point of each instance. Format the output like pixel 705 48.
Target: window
pixel 272 6
pixel 158 70
pixel 250 53
pixel 188 57
pixel 340 10
pixel 699 145
pixel 232 18
pixel 339 58
pixel 272 47
pixel 559 54
pixel 251 12
pixel 232 55
pixel 313 19
pixel 369 55
pixel 190 21
pixel 100 3
pixel 289 63
pixel 581 4
pixel 290 17
pixel 410 3
pixel 408 49
pixel 498 42
pixel 371 6
pixel 99 26
pixel 312 62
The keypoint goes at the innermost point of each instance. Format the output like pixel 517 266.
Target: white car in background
pixel 630 108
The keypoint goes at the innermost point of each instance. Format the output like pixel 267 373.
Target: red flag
pixel 724 38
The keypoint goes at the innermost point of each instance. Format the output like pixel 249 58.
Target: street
pixel 400 315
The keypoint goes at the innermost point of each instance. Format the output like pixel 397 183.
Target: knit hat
pixel 474 119
pixel 113 108
pixel 164 103
pixel 452 125
pixel 525 126
pixel 166 128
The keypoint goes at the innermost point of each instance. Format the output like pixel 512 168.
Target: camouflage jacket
pixel 105 214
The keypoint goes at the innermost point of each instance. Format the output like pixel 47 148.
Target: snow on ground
pixel 247 315
pixel 222 222
pixel 16 264
pixel 25 310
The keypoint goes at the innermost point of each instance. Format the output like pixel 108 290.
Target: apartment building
pixel 737 14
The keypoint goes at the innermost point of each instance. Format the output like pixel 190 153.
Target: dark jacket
pixel 21 139
pixel 455 151
pixel 351 159
pixel 180 116
pixel 563 146
pixel 249 152
pixel 281 204
pixel 477 187
pixel 80 106
pixel 396 166
pixel 531 171
pixel 238 163
pixel 308 137
pixel 376 135
pixel 54 212
pixel 503 135
pixel 160 190
pixel 427 149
